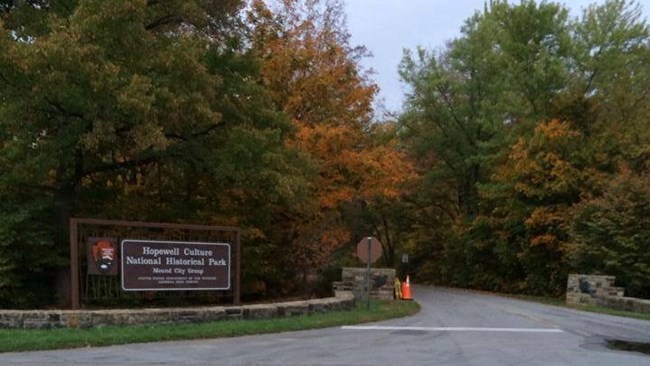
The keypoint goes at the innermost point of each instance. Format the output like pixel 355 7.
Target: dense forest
pixel 522 152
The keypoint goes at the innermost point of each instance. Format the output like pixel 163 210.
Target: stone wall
pixel 47 319
pixel 600 291
pixel 354 279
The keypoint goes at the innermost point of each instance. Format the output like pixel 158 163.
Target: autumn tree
pixel 465 105
pixel 514 125
pixel 611 233
pixel 531 200
pixel 315 76
pixel 611 104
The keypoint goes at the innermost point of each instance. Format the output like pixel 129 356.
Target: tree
pixel 466 104
pixel 462 99
pixel 612 50
pixel 612 235
pixel 314 75
pixel 542 179
pixel 523 117
pixel 132 110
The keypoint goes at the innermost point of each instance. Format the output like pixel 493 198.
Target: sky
pixel 387 27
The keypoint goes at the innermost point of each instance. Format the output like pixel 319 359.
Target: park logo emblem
pixel 102 256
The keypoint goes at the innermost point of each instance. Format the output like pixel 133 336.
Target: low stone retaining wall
pixel 354 279
pixel 600 290
pixel 47 319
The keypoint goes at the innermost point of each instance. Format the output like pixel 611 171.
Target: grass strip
pixel 17 340
pixel 590 308
pixel 561 302
pixel 608 311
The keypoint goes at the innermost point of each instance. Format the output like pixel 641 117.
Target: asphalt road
pixel 454 327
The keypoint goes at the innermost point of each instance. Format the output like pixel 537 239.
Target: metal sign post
pixel 368 274
pixel 368 250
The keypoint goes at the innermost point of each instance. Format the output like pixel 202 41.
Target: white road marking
pixel 457 329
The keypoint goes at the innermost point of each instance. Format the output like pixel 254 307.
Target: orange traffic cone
pixel 406 289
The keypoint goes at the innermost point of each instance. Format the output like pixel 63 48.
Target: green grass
pixel 12 340
pixel 604 310
pixel 590 308
pixel 561 302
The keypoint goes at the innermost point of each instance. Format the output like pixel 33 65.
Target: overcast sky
pixel 386 27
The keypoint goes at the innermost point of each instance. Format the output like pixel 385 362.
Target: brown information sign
pixel 149 265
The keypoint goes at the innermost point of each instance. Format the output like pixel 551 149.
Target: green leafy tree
pixel 503 71
pixel 612 51
pixel 524 116
pixel 612 233
pixel 469 100
pixel 131 110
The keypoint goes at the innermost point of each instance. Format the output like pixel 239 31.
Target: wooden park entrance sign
pixel 109 259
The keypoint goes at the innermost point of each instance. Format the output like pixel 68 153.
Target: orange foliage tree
pixel 531 202
pixel 315 77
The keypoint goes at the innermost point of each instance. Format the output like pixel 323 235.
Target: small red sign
pixel 375 249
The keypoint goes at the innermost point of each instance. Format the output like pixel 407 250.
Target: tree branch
pixel 194 135
pixel 166 20
pixel 454 115
pixel 122 165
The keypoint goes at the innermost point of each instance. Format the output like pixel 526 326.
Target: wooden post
pixel 74 265
pixel 237 284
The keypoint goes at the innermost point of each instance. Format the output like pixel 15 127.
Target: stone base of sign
pixel 600 291
pixel 48 319
pixel 354 279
